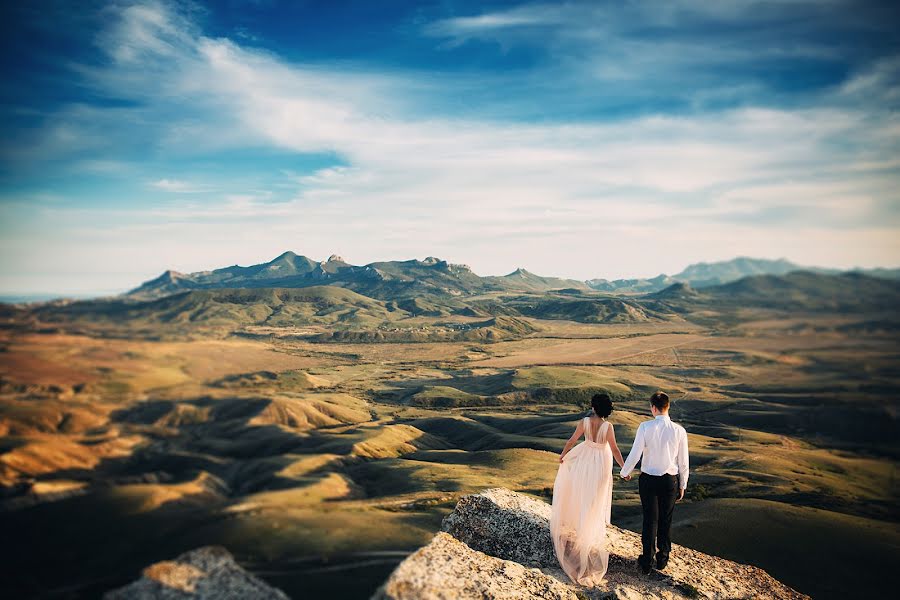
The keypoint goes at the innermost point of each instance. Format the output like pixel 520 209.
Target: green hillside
pixel 432 300
pixel 811 291
pixel 589 310
pixel 327 305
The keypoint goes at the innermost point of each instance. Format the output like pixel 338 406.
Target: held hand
pixel 626 477
pixel 561 456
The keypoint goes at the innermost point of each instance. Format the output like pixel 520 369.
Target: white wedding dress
pixel 582 503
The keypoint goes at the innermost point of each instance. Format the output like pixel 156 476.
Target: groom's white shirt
pixel 664 447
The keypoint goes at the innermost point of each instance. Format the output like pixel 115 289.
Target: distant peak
pixel 431 260
pixel 335 258
pixel 170 275
pixel 520 272
pixel 283 255
pixel 680 289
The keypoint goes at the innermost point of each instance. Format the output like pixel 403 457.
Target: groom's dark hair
pixel 660 400
pixel 602 405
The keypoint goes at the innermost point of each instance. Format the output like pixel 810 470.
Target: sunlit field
pixel 308 458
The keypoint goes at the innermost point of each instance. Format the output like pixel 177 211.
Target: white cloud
pixel 675 53
pixel 486 23
pixel 579 199
pixel 180 187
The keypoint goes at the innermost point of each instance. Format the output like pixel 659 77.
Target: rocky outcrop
pixel 504 524
pixel 499 547
pixel 208 573
pixel 448 569
pixel 495 545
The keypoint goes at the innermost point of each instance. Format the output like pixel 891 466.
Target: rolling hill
pixel 301 450
pixel 702 275
pixel 591 310
pixel 708 274
pixel 324 305
pixel 636 286
pixel 806 290
pixel 433 300
pixel 342 314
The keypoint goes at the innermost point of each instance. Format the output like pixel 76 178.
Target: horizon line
pixel 45 296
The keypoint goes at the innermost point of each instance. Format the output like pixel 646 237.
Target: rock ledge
pixel 495 545
pixel 498 534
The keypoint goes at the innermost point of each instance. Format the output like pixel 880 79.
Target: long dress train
pixel 582 504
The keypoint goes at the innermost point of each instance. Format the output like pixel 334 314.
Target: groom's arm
pixel 683 461
pixel 637 448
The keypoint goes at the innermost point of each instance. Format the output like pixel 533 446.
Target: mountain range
pixel 701 275
pixel 387 301
pixel 433 277
pixel 386 280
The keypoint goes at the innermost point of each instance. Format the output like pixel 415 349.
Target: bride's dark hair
pixel 602 405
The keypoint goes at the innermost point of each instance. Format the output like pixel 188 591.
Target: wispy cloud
pixel 180 187
pixel 683 53
pixel 462 28
pixel 577 197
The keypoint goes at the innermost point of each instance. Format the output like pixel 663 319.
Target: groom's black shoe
pixel 661 562
pixel 644 564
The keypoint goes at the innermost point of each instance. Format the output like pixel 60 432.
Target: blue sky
pixel 594 139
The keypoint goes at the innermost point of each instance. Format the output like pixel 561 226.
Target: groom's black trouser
pixel 658 494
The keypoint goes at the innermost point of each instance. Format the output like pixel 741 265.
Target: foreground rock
pixel 206 573
pixel 503 533
pixel 448 569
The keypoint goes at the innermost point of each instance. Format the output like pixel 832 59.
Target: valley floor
pixel 321 464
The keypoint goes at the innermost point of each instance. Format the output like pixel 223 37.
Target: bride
pixel 582 496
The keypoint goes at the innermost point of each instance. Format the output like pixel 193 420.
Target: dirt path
pixel 592 351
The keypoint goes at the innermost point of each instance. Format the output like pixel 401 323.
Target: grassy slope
pixel 326 472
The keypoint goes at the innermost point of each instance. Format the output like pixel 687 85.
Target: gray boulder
pixel 447 569
pixel 504 524
pixel 206 573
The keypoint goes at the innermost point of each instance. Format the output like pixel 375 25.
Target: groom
pixel 664 475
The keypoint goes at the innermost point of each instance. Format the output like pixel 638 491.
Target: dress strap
pixel 605 428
